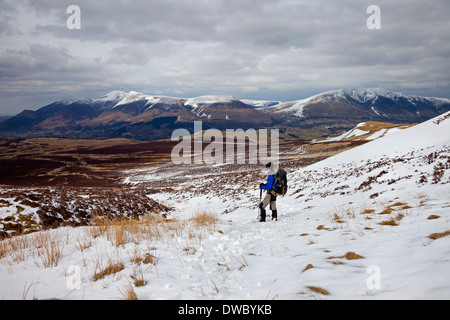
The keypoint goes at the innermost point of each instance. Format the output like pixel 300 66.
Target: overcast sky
pixel 259 49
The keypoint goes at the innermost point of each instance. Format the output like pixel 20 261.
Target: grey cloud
pixel 245 48
pixel 257 22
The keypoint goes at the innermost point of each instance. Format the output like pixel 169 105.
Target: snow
pixel 375 111
pixel 260 103
pixel 115 95
pixel 363 95
pixel 356 132
pixel 349 134
pixel 360 95
pixel 134 96
pixel 297 108
pixel 333 207
pixel 205 100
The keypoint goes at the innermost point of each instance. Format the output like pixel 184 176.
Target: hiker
pixel 271 196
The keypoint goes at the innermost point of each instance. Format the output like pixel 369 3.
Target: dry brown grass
pixel 389 222
pixel 138 277
pixel 424 200
pixel 49 249
pixel 204 218
pixel 349 256
pixel 393 221
pixel 387 210
pixel 399 204
pixel 309 266
pixel 122 230
pixel 352 256
pixel 129 294
pixel 318 290
pixel 338 218
pixel 110 269
pixel 18 248
pixel 437 235
pixel 3 250
pixel 44 247
pixel 368 211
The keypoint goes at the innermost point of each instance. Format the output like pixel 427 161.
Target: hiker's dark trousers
pixel 272 199
pixel 269 198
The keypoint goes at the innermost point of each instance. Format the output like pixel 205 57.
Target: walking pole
pixel 259 204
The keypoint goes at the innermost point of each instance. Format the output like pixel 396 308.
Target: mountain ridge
pixel 136 115
pixel 369 97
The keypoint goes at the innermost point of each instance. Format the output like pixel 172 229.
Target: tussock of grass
pixel 318 290
pixel 205 218
pixel 337 218
pixel 150 259
pixel 349 256
pixel 129 294
pixel 352 256
pixel 309 266
pixel 387 210
pixel 399 204
pixel 3 250
pixel 109 270
pixel 138 277
pixel 390 222
pixel 437 235
pixel 48 249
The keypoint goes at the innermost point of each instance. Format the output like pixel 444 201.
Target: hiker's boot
pixel 262 217
pixel 275 215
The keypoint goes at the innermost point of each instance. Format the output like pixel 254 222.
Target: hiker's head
pixel 269 166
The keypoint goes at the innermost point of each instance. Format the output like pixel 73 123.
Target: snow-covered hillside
pixel 368 131
pixel 371 101
pixel 370 223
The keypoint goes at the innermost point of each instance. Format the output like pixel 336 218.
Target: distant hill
pixel 3 118
pixel 337 111
pixel 140 116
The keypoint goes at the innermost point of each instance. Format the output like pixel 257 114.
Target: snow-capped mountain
pixel 147 117
pixel 132 115
pixel 374 104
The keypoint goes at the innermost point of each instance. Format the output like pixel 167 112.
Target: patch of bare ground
pixel 75 206
pixel 85 163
